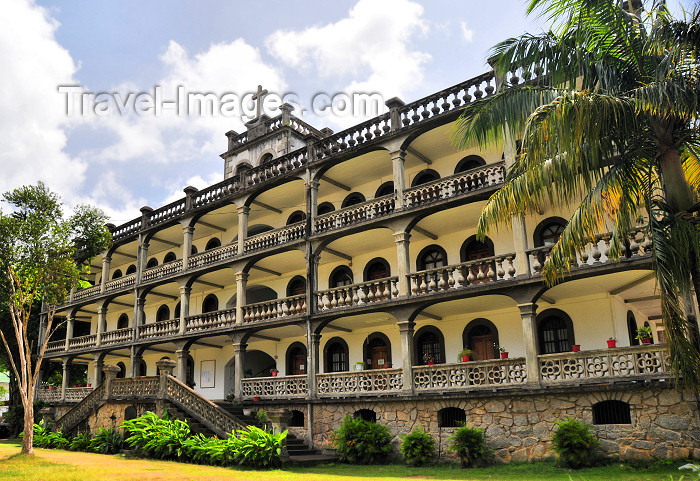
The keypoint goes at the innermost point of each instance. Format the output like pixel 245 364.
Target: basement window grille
pixel 366 414
pixel 451 417
pixel 611 412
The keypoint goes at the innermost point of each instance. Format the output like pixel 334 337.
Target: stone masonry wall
pixel 664 424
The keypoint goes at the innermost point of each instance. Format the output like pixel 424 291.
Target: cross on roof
pixel 258 97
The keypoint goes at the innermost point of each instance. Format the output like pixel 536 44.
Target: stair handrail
pixel 83 409
pixel 201 408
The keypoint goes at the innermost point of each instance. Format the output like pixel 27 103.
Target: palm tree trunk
pixel 677 192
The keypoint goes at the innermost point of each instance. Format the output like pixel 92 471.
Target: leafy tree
pixel 40 262
pixel 611 119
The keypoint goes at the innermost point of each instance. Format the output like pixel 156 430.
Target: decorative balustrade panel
pixel 639 244
pixel 357 213
pixel 121 283
pixel 167 212
pixel 159 329
pixel 127 229
pixel 55 346
pixel 82 342
pixel 356 382
pixel 450 99
pixel 48 395
pixel 161 271
pixel 117 337
pixel 606 363
pixel 287 306
pixel 211 320
pixel 455 185
pixel 135 387
pixel 470 374
pixel 213 256
pixel 77 394
pixel 273 238
pixel 86 293
pixel 207 411
pixel 466 274
pixel 355 136
pixel 81 410
pixel 369 292
pixel 216 192
pixel 276 387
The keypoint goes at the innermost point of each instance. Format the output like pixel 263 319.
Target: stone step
pixel 312 459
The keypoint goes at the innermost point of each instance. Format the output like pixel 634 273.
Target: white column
pixel 241 286
pixel 106 260
pixel 187 231
pixel 243 212
pixel 313 343
pixel 101 323
pixel 69 328
pixel 182 355
pixel 66 378
pixel 528 313
pixel 239 362
pixel 184 306
pixel 398 158
pixel 404 262
pixel 522 260
pixel 312 187
pixel 406 330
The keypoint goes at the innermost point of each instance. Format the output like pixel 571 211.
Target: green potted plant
pixel 464 354
pixel 645 334
pixel 612 342
pixel 502 350
pixel 360 366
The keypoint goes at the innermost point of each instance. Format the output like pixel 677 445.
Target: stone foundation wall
pixel 664 424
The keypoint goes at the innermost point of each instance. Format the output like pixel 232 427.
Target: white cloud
pixel 33 119
pixel 371 46
pixel 467 33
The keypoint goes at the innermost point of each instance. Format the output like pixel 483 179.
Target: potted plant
pixel 274 372
pixel 256 398
pixel 464 354
pixel 502 350
pixel 612 342
pixel 645 334
pixel 428 359
pixel 360 366
pixel 575 347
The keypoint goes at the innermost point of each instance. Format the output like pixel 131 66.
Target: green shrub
pixel 417 447
pixel 361 442
pixel 574 444
pixel 470 445
pixel 45 437
pixel 107 441
pixel 252 447
pixel 80 442
pixel 156 437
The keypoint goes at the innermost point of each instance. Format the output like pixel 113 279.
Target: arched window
pixel 377 351
pixel 213 243
pixel 431 257
pixel 265 158
pixel 123 321
pixel 130 412
pixel 241 169
pixel 210 304
pixel 474 249
pixel 163 313
pixel 366 415
pixel 336 355
pixel 296 287
pixel 341 276
pixel 325 208
pixel 451 417
pixel 481 336
pixel 117 274
pixel 122 370
pixel 297 420
pixel 468 163
pixel 177 311
pixel 430 345
pixel 193 250
pixel 425 176
pixel 548 231
pixel 353 198
pixel 386 188
pixel 296 359
pixel 152 262
pixel 297 216
pixel 632 329
pixel 131 269
pixel 611 412
pixel 141 368
pixel 555 332
pixel 169 257
pixel 377 268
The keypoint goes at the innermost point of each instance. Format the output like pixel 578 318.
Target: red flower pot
pixel 274 373
pixel 430 363
pixel 465 358
pixel 256 398
pixel 504 355
pixel 612 343
pixel 646 340
pixel 576 347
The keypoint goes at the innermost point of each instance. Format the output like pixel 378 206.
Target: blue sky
pixel 121 162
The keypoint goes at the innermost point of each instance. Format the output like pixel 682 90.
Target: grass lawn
pixel 57 465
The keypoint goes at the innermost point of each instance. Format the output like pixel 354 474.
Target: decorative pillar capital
pixel 529 309
pixel 185 290
pixel 242 276
pixel 243 210
pixel 401 237
pixel 187 229
pixel 397 155
pixel 106 258
pixel 239 347
pixel 406 326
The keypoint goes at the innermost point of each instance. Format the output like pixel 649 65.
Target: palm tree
pixel 610 116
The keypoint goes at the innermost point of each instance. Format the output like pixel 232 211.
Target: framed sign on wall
pixel 207 374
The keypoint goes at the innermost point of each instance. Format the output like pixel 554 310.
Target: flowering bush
pixel 361 442
pixel 44 437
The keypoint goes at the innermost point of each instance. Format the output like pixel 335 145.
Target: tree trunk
pixel 677 192
pixel 28 437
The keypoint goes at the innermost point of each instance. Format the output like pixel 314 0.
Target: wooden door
pixel 378 355
pixel 482 347
pixel 298 364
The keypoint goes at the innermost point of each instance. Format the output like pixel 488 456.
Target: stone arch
pixel 152 262
pixel 122 370
pixel 451 417
pixel 117 274
pixel 632 328
pixel 254 294
pixel 555 331
pixel 429 341
pixel 163 313
pixel 369 415
pixel 478 328
pixel 266 156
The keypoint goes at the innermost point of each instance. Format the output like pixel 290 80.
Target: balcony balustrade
pixel 466 274
pixel 354 295
pixel 159 329
pixel 164 270
pixel 85 293
pixel 73 394
pixel 455 185
pixel 356 214
pixel 119 336
pixel 278 387
pixel 373 381
pixel 120 283
pixel 82 342
pixel 287 306
pixel 55 346
pixel 470 374
pixel 276 237
pixel 213 256
pixel 210 321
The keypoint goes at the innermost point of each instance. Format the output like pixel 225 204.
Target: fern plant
pixel 417 447
pixel 574 444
